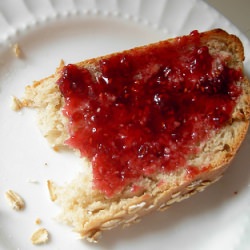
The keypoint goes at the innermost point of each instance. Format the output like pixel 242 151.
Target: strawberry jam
pixel 146 111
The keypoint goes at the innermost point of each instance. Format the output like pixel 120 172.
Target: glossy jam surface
pixel 146 112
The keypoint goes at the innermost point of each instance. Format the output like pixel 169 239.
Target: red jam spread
pixel 146 111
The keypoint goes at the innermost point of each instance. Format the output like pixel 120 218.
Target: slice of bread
pixel 87 209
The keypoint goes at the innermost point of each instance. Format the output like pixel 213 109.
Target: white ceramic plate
pixel 73 30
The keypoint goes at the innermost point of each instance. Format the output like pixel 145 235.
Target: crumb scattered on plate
pixel 51 190
pixel 40 236
pixel 38 221
pixel 15 200
pixel 17 50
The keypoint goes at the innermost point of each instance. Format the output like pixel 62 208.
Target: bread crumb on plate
pixel 40 236
pixel 15 200
pixel 17 50
pixel 38 221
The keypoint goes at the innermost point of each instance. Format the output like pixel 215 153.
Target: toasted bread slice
pixel 89 210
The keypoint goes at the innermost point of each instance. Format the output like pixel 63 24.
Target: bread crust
pixel 92 212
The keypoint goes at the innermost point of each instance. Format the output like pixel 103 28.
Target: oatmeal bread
pixel 156 123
